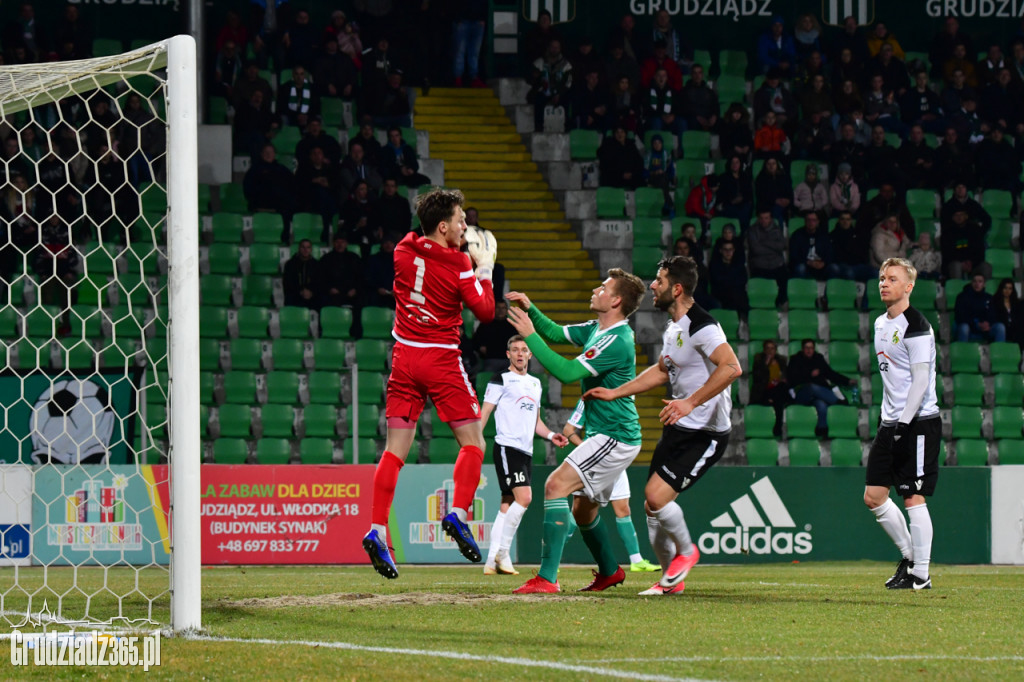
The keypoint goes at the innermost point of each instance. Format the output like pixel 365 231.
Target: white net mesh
pixel 83 326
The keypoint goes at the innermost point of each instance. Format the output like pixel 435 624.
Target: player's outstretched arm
pixel 727 370
pixel 551 331
pixel 478 294
pixel 566 371
pixel 653 376
pixel 543 431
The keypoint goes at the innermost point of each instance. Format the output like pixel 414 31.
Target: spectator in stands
pixel 853 40
pixel 810 67
pixel 943 44
pixel 251 81
pixel 378 62
pixel 297 101
pixel 851 245
pixel 774 190
pixel 880 163
pixel 963 246
pixel 663 107
pixel 625 106
pixel 775 97
pixel 590 104
pixel 356 167
pixel 700 102
pixel 810 251
pixel 678 50
pixel 960 61
pixel 318 188
pixel 32 150
pixel 537 38
pixel 811 378
pixel 814 137
pixel 618 65
pixel 269 186
pixel 807 33
pixel 72 30
pixel 892 70
pixel 99 130
pixel 316 137
pixel 110 203
pixel 391 212
pixel 299 40
pixel 988 70
pixel 552 81
pixel 688 231
pixel 954 161
pixel 730 236
pixel 25 32
pixel 881 108
pixel 301 278
pixel 334 72
pixel 775 49
pixel 660 172
pixel 998 165
pixel 12 161
pixel 887 203
pixel 55 262
pixel 51 174
pixel 848 99
pixel 394 104
pixel 702 200
pixel 881 36
pixel 368 139
pixel 975 312
pixel 811 194
pixel 355 218
pixel 1016 64
pixel 1009 311
pixel 470 19
pixel 141 140
pixel 735 192
pixel 769 385
pixel 341 275
pixel 766 246
pixel 815 99
pixel 226 70
pixel 770 141
pixel 346 34
pixel 491 339
pixel 625 35
pixel 233 30
pixel 728 278
pixel 962 200
pixel 888 240
pixel 1001 103
pixel 734 136
pixel 926 259
pixel 398 160
pixel 916 160
pixel 920 106
pixel 380 274
pixel 621 163
pixel 844 195
pixel 955 92
pixel 584 60
pixel 660 59
pixel 968 123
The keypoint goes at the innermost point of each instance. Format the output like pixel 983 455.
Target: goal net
pixel 99 440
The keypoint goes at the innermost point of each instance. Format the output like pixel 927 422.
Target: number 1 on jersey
pixel 417 288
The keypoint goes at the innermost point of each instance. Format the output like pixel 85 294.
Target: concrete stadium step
pixel 490 164
pixel 565 242
pixel 424 120
pixel 432 107
pixel 446 94
pixel 544 264
pixel 490 185
pixel 508 252
pixel 513 225
pixel 463 137
pixel 473 148
pixel 497 208
pixel 527 215
pixel 509 195
pixel 497 179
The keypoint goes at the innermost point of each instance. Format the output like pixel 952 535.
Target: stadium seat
pixel 257 290
pixel 649 202
pixel 371 388
pixel 235 421
pixel 240 387
pixel 1009 389
pixel 42 320
pixel 717 225
pixel 1003 262
pixel 803 324
pixel 282 387
pixel 611 203
pixel 253 322
pixel 921 203
pixel 1010 452
pixel 107 47
pixel 762 452
pixel 377 322
pixel 122 354
pixel 75 353
pixel 759 420
pixel 324 387
pixel 762 292
pixel 733 62
pixel 647 232
pixel 842 421
pixel 86 322
pixel 206 385
pixel 844 357
pixel 1006 423
pixel 442 450
pixel 844 325
pixel 307 226
pixel 227 228
pixel 926 294
pixel 968 389
pixel 335 323
pixel 321 421
pixel 294 322
pixel 369 420
pixel 372 355
pixel 286 138
pixel 971 453
pixel 1004 357
pixel 267 228
pixel 273 451
pixel 288 354
pixel 278 421
pixel 841 294
pixel 99 259
pixel 688 173
pixel 367 451
pixel 999 203
pixel 696 144
pixel 230 451
pixel 583 144
pixel 332 110
pixel 329 354
pixel 804 452
pixel 316 451
pixel 763 324
pixel 668 139
pixel 215 290
pixel 246 354
pixel 1000 235
pixel 967 421
pixel 800 421
pixel 730 321
pixel 964 357
pixel 264 259
pixel 846 452
pixel 646 259
pixel 802 293
pixel 224 258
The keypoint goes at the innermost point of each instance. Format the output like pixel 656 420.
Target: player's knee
pixel 552 489
pixel 524 496
pixel 873 501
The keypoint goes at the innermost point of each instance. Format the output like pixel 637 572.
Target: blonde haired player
pixel 905 452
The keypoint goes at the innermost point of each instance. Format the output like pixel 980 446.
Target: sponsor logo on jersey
pixel 746 530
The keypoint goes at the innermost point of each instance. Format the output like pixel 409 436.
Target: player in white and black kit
pixel 514 397
pixel 699 364
pixel 905 453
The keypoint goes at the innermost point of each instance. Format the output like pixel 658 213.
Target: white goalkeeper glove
pixel 483 249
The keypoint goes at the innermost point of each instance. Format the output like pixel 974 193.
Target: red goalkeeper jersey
pixel 431 284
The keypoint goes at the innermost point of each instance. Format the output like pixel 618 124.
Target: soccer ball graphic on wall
pixel 72 422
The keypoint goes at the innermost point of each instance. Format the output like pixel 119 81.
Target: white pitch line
pixel 456 655
pixel 809 659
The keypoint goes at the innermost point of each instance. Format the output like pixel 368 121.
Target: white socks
pixel 382 531
pixel 661 543
pixel 670 517
pixel 497 533
pixel 461 514
pixel 512 518
pixel 921 532
pixel 892 521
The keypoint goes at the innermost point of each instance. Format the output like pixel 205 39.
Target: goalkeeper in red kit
pixel 433 279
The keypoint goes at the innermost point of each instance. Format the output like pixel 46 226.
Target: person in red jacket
pixel 660 60
pixel 701 202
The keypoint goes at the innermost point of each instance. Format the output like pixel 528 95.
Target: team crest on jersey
pixel 590 354
pixel 895 336
pixel 679 340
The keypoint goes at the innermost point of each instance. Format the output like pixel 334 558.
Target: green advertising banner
pixel 68 419
pixel 769 514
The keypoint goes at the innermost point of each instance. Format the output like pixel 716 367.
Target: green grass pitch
pixel 812 621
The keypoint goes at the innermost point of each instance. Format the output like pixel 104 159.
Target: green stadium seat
pixel 240 387
pixel 583 144
pixel 307 226
pixel 717 225
pixel 288 354
pixel 215 290
pixel 442 450
pixel 802 293
pixel 844 357
pixel 999 203
pixel 1006 422
pixel 246 354
pixel 730 321
pixel 369 420
pixel 372 354
pixel 762 292
pixel 841 294
pixel 762 452
pixel 876 388
pixel 294 322
pixel 232 198
pixel 367 451
pixel 321 421
pixel 1000 235
pixel 967 421
pixel 763 324
pixel 273 451
pixel 206 385
pixel 921 203
pixel 75 354
pixel 611 203
pixel 122 354
pixel 846 452
pixel 42 321
pixel 332 110
pixel 800 421
pixel 253 322
pixel 733 62
pixel 668 140
pixel 227 228
pixel 267 228
pixel 9 318
pixel 804 452
pixel 803 324
pixel 218 108
pixel 1009 389
pixel 90 290
pixel 336 323
pixel 688 173
pixel 264 259
pixel 282 387
pixel 844 325
pixel 1010 452
pixel 703 57
pixel 278 421
pixel 257 290
pixel 696 144
pixel 1003 262
pixel 842 421
pixel 759 420
pixel 968 389
pixel 235 420
pixel 646 259
pixel 926 294
pixel 329 354
pixel 99 259
pixel 797 174
pixel 971 453
pixel 378 322
pixel 649 202
pixel 286 138
pixel 224 258
pixel 964 357
pixel 1004 357
pixel 316 451
pixel 230 451
pixel 86 322
pixel 154 198
pixel 647 232
pixel 324 387
pixel 371 388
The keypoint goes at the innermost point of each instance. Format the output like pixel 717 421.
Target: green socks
pixel 628 535
pixel 556 529
pixel 599 544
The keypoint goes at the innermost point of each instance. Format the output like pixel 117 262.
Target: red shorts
pixel 417 373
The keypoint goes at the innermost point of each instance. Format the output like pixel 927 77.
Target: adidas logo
pixel 750 532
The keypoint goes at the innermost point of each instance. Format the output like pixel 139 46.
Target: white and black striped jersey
pixel 900 342
pixel 686 347
pixel 516 400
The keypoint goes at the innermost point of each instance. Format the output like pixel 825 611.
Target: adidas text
pixel 764 541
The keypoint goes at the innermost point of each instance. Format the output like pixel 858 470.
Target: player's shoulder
pixel 917 323
pixel 497 379
pixel 431 250
pixel 699 319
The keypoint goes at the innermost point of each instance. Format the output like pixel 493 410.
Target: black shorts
pixel 681 456
pixel 913 464
pixel 512 466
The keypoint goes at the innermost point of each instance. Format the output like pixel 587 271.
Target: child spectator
pixel 660 172
pixel 927 260
pixel 844 195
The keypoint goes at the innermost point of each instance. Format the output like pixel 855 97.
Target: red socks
pixel 385 478
pixel 466 475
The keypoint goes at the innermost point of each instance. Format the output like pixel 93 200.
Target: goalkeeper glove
pixel 483 249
